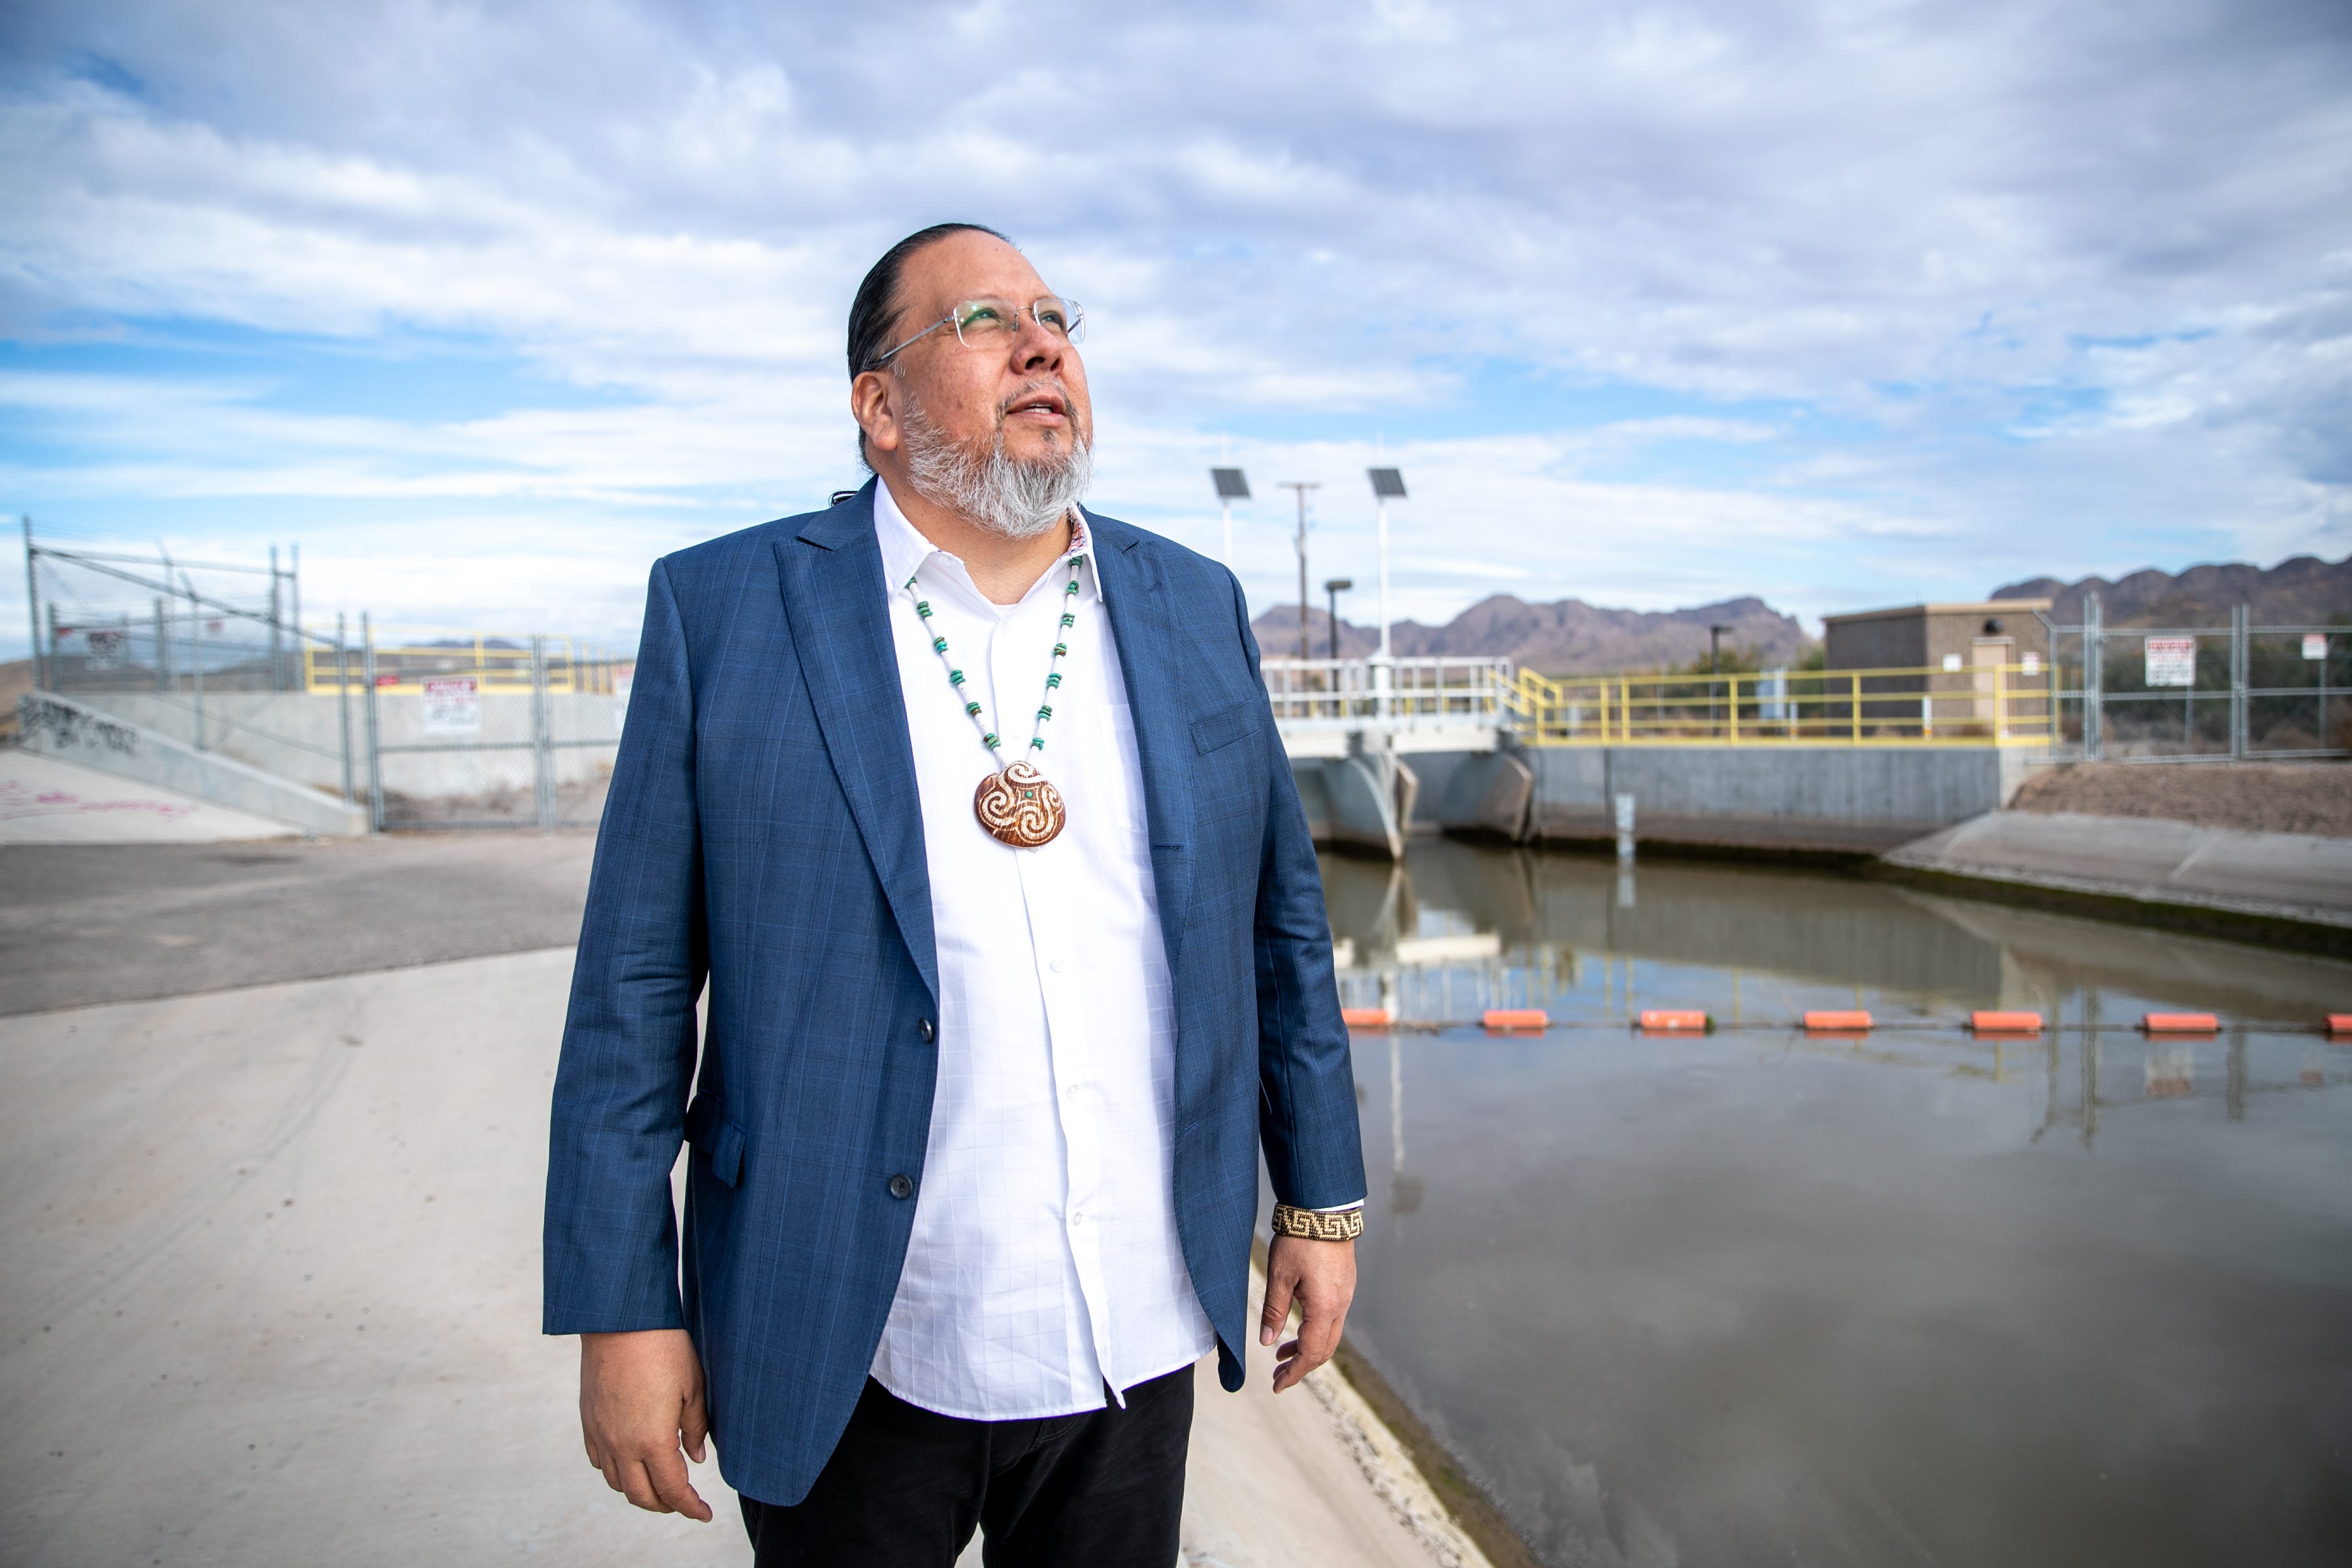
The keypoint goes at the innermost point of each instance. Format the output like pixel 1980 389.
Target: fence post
pixel 196 640
pixel 542 752
pixel 2094 678
pixel 277 640
pixel 2237 683
pixel 343 698
pixel 33 604
pixel 374 736
pixel 162 649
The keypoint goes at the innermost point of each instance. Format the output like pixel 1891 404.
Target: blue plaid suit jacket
pixel 762 835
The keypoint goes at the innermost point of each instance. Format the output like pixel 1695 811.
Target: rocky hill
pixel 1567 637
pixel 2304 590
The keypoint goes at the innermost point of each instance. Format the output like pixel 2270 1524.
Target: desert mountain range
pixel 2304 590
pixel 1570 635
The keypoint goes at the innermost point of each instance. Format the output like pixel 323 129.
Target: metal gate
pixel 477 730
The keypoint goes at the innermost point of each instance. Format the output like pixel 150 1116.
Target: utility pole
pixel 1302 487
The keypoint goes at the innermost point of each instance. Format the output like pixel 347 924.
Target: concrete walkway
pixel 44 800
pixel 272 1298
pixel 2283 875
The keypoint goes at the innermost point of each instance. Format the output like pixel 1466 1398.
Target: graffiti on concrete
pixel 69 725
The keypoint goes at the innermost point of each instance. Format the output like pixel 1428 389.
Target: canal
pixel 1913 1297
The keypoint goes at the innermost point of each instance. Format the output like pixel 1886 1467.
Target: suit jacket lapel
pixel 838 607
pixel 1151 652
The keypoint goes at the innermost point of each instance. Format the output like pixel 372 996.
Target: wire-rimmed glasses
pixel 991 323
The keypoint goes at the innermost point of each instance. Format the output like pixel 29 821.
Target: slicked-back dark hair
pixel 875 312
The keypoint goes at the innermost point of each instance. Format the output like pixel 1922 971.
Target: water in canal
pixel 1912 1298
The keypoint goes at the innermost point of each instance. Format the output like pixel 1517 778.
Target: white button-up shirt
pixel 1044 1261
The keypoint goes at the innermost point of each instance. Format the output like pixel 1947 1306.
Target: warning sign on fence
pixel 453 705
pixel 2315 644
pixel 2171 661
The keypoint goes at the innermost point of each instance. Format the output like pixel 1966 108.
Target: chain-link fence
pixel 2203 694
pixel 431 729
pixel 484 731
pixel 211 654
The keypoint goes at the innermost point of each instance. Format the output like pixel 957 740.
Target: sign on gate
pixel 2171 661
pixel 453 705
pixel 2315 644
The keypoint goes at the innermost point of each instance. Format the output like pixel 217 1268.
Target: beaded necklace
pixel 1014 803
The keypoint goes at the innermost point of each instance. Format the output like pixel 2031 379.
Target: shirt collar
pixel 905 549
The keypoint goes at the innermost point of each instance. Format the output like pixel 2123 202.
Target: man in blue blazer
pixel 1002 1004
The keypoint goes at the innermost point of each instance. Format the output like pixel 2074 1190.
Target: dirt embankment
pixel 15 679
pixel 2259 797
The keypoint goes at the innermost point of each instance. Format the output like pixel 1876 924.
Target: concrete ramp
pixel 44 800
pixel 71 731
pixel 2278 876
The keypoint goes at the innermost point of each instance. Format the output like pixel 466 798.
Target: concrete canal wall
pixel 1837 799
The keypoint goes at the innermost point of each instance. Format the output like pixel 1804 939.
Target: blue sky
pixel 1841 304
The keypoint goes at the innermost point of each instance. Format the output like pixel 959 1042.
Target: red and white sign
pixel 2171 661
pixel 2315 644
pixel 453 705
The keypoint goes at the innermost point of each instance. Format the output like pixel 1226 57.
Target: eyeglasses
pixel 992 323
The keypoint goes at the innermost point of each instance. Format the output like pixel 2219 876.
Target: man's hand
pixel 640 1398
pixel 1320 1276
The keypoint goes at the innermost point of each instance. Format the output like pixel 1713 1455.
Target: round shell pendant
pixel 1019 806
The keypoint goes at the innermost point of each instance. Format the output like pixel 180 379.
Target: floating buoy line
pixel 1990 1023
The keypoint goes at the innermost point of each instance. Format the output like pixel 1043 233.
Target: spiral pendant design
pixel 1019 806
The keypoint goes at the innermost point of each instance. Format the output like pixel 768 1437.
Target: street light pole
pixel 1388 485
pixel 1233 485
pixel 1302 487
pixel 1333 589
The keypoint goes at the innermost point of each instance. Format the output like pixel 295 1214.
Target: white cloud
pixel 2017 287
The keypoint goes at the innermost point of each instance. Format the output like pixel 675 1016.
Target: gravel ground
pixel 2259 797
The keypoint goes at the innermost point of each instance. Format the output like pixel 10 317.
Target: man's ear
pixel 873 398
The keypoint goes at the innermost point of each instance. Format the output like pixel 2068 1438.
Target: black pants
pixel 905 1488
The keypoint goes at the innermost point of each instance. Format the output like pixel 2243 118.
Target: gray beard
pixel 1001 494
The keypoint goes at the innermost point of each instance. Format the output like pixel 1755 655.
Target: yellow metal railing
pixel 497 662
pixel 1969 705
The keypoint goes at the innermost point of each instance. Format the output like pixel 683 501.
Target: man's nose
pixel 1037 348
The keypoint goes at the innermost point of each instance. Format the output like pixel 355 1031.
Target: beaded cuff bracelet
pixel 1315 1225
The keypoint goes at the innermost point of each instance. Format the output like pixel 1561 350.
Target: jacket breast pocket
pixel 1214 730
pixel 711 1134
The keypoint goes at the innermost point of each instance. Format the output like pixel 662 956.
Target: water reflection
pixel 1906 1297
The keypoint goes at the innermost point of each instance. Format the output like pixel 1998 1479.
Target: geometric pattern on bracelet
pixel 1315 1227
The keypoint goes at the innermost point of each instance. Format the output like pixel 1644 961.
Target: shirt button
pixel 929 1032
pixel 1077 1219
pixel 902 1186
pixel 1056 966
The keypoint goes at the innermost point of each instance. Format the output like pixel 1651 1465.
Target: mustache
pixel 1030 389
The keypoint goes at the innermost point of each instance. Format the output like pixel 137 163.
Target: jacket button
pixel 929 1035
pixel 902 1186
